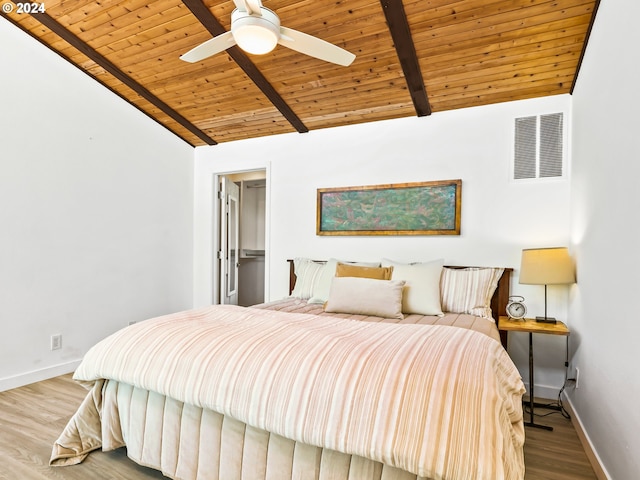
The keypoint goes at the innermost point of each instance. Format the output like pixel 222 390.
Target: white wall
pixel 605 231
pixel 95 213
pixel 499 217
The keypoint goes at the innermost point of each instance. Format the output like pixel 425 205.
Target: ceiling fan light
pixel 255 39
pixel 255 34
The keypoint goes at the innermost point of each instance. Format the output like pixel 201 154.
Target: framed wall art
pixel 419 208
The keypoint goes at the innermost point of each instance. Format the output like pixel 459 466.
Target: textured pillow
pixel 365 296
pixel 307 275
pixel 422 286
pixel 350 270
pixel 323 284
pixel 469 290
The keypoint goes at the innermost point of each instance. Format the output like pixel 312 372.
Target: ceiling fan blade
pixel 315 47
pixel 210 47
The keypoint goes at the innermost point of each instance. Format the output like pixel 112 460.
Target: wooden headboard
pixel 498 301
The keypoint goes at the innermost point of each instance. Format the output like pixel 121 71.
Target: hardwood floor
pixel 556 455
pixel 32 417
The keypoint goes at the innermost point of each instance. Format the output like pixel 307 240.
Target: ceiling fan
pixel 257 30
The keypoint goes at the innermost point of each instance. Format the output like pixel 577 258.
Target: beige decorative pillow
pixel 422 286
pixel 469 290
pixel 307 274
pixel 365 296
pixel 377 273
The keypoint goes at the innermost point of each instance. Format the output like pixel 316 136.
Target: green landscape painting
pixel 426 208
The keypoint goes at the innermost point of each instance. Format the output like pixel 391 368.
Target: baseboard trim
pixel 23 379
pixel 544 391
pixel 592 455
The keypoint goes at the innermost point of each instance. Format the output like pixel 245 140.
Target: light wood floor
pixel 32 417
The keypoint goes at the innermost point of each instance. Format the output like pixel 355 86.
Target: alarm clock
pixel 516 308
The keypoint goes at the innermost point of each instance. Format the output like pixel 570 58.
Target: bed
pixel 302 389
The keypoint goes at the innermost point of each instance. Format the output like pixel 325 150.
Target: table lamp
pixel 546 266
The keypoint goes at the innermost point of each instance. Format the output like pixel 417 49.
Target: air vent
pixel 538 151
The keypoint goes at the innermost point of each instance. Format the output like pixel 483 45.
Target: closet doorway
pixel 240 213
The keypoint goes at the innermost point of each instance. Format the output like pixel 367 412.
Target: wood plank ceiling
pixel 413 57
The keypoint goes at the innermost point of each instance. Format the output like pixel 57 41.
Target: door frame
pixel 215 217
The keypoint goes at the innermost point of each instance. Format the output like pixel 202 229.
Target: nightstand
pixel 530 326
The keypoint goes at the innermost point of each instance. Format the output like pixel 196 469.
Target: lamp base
pixel 546 320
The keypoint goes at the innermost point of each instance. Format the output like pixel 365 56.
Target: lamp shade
pixel 547 266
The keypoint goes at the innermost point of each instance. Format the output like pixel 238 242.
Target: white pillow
pixel 307 274
pixel 365 296
pixel 469 290
pixel 422 286
pixel 322 286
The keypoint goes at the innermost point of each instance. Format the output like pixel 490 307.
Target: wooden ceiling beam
pixel 211 23
pixel 584 45
pixel 401 34
pixel 75 41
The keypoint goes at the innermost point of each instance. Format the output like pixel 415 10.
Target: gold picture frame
pixel 417 208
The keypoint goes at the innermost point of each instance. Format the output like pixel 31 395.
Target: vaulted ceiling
pixel 413 58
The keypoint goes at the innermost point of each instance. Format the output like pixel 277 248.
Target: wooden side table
pixel 530 326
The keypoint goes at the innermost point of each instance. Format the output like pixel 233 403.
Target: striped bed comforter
pixel 437 401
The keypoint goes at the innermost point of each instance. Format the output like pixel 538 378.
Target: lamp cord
pixel 558 404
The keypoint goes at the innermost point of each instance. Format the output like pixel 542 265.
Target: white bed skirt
pixel 188 443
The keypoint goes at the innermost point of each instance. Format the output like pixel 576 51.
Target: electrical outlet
pixel 577 377
pixel 56 341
